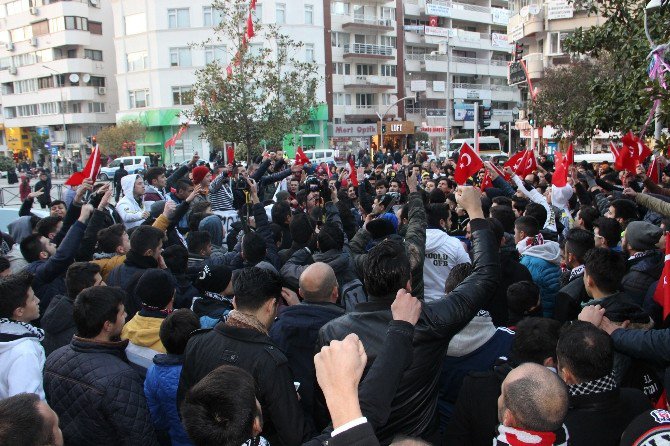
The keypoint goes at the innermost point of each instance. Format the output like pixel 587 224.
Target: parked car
pixel 132 164
pixel 320 156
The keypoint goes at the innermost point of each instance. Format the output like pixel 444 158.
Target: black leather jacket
pixel 413 408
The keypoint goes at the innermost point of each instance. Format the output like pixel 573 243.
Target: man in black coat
pixel 44 184
pixel 243 341
pixel 296 329
pixel 645 262
pixel 387 271
pixel 98 396
pixel 120 173
pixel 573 293
pixel 599 410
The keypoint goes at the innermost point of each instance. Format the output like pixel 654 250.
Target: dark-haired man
pixel 607 233
pixel 97 395
pixel 570 297
pixel 21 353
pixel 48 264
pixel 242 340
pixel 57 320
pixel 25 420
pixel 599 409
pixel 386 271
pixel 645 261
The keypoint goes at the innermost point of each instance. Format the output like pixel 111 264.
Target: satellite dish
pixel 86 78
pixel 74 78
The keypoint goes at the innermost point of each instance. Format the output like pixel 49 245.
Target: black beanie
pixel 380 228
pixel 213 278
pixel 301 228
pixel 155 288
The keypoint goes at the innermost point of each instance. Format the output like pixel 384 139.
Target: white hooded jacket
pixel 128 208
pixel 443 252
pixel 21 361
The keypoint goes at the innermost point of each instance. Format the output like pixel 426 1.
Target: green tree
pixel 269 93
pixel 111 139
pixel 37 140
pixel 621 95
pixel 6 164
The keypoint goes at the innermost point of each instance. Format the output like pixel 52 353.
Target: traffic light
pixel 484 116
pixel 531 120
pixel 383 128
pixel 480 116
pixel 518 51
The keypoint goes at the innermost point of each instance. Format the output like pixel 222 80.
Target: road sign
pixel 517 73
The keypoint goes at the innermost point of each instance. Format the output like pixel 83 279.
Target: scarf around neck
pixel 595 386
pixel 241 320
pixel 20 329
pixel 576 272
pixel 510 436
pixel 528 242
pixel 143 262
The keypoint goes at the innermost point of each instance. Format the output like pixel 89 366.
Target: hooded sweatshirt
pixel 22 359
pixel 543 260
pixel 559 198
pixel 128 208
pixel 18 229
pixel 443 252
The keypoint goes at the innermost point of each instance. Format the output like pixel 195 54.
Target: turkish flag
pixel 528 163
pixel 626 159
pixel 515 161
pixel 300 157
pixel 486 182
pixel 230 154
pixel 352 172
pixel 639 150
pixel 433 20
pixel 615 151
pixel 250 27
pixel 469 164
pixel 570 156
pixel 662 293
pixel 560 177
pixel 652 173
pixel 91 170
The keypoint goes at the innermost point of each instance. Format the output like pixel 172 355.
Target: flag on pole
pixel 91 170
pixel 300 157
pixel 570 156
pixel 514 162
pixel 560 176
pixel 469 164
pixel 177 136
pixel 662 293
pixel 486 182
pixel 250 27
pixel 652 173
pixel 528 163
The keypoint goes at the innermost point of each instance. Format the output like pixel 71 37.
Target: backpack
pixel 352 293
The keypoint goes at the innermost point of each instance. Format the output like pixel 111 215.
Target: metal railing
pixel 382 81
pixel 457 59
pixel 366 48
pixel 362 20
pixel 10 196
pixel 485 87
pixel 461 6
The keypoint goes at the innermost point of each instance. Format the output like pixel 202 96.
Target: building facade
pixel 456 58
pixel 157 62
pixel 57 66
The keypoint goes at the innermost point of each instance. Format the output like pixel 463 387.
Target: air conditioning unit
pixel 102 90
pixel 95 3
pixel 9 46
pixel 33 41
pixel 34 11
pixel 12 70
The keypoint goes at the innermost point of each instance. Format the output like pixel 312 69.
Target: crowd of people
pixel 286 303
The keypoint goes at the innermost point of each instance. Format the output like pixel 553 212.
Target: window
pixel 339 40
pixel 341 99
pixel 387 98
pixel 20 34
pixel 341 68
pixel 215 53
pixel 255 49
pixel 8 88
pixel 40 28
pixel 25 86
pixel 95 27
pixel 135 24
pixel 556 42
pixel 388 70
pixel 137 61
pixel 280 13
pixel 17 7
pixel 97 81
pixel 365 100
pixel 96 107
pixel 339 8
pixel 182 95
pixel 388 13
pixel 258 13
pixel 211 16
pixel 93 54
pixel 180 57
pixel 309 14
pixel 365 70
pixel 46 82
pixel 138 99
pixel 309 52
pixel 178 18
pixel 75 107
pixel 10 112
pixel 388 41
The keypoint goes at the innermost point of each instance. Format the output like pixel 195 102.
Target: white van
pixel 595 157
pixel 132 164
pixel 488 145
pixel 320 156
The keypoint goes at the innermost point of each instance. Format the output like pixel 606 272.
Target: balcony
pixel 370 82
pixel 535 65
pixel 365 112
pixel 465 12
pixel 357 22
pixel 526 24
pixel 438 63
pixel 487 92
pixel 69 93
pixel 368 51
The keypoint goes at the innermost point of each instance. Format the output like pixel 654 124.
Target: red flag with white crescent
pixel 469 164
pixel 662 293
pixel 514 162
pixel 652 173
pixel 91 170
pixel 300 157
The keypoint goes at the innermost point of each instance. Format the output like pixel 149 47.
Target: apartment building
pixel 456 56
pixel 156 63
pixel 541 27
pixel 56 74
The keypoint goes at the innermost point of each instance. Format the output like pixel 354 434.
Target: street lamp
pixel 448 94
pixel 381 119
pixel 653 4
pixel 62 107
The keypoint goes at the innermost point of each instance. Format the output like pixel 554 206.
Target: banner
pixel 227 219
pixel 500 16
pixel 464 112
pixel 515 34
pixel 419 85
pixel 560 9
pixel 438 10
pixel 439 86
pixel 436 31
pixel 354 130
pixel 499 40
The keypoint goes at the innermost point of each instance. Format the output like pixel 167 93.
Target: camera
pixel 313 184
pixel 240 184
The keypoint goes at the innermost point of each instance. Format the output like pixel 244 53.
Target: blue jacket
pixel 160 389
pixel 50 274
pixel 542 261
